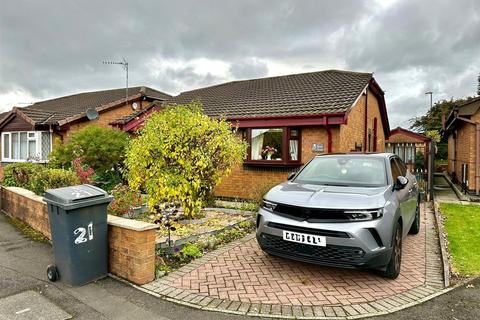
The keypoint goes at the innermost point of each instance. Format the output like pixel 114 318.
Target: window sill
pixel 22 160
pixel 272 163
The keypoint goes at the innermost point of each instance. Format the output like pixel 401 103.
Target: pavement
pixel 25 293
pixel 24 286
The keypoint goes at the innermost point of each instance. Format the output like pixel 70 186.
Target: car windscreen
pixel 344 171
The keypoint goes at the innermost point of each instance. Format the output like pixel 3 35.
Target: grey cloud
pixel 248 68
pixel 51 48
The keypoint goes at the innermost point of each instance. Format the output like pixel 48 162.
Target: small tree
pixel 101 149
pixel 181 155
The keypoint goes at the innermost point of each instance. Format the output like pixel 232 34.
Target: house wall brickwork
pixel 248 182
pixel 353 132
pixel 103 120
pixel 465 153
pixel 131 243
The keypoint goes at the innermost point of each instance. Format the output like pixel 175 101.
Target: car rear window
pixel 344 171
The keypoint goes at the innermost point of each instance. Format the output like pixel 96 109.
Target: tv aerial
pixel 124 65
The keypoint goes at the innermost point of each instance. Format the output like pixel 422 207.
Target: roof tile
pixel 330 91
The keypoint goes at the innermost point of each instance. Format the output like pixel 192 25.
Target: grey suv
pixel 345 210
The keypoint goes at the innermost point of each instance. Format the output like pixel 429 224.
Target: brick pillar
pixel 131 249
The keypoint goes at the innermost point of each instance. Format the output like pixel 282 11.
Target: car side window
pixel 402 167
pixel 394 169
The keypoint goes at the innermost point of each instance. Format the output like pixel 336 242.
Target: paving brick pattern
pixel 240 278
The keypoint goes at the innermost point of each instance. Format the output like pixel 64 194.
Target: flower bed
pixel 209 221
pixel 169 259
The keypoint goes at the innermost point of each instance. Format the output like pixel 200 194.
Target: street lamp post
pixel 431 98
pixel 431 159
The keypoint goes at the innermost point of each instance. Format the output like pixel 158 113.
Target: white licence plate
pixel 310 239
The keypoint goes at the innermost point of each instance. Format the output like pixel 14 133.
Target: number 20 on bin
pixel 81 232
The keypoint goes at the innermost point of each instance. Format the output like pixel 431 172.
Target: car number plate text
pixel 310 239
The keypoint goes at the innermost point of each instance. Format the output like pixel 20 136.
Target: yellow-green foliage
pixel 181 155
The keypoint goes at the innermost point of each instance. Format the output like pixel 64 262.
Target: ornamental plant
pixel 84 172
pixel 181 155
pixel 99 148
pixel 125 199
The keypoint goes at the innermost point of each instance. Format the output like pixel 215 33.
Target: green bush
pixel 100 148
pixel 181 155
pixel 21 174
pixel 125 199
pixel 191 251
pixel 259 191
pixel 53 178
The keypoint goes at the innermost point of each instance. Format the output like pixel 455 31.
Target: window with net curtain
pixel 26 146
pixel 267 144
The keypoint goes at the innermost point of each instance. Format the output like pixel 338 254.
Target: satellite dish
pixel 92 113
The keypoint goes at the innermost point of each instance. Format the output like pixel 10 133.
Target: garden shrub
pixel 181 155
pixel 258 192
pixel 83 171
pixel 53 178
pixel 124 200
pixel 21 174
pixel 191 251
pixel 99 148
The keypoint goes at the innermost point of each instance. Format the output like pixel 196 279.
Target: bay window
pixel 26 146
pixel 270 146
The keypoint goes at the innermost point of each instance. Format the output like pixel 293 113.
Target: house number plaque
pixel 317 147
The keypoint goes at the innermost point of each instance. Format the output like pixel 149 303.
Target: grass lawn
pixel 462 225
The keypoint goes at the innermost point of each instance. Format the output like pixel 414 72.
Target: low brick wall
pixel 131 243
pixel 27 206
pixel 132 249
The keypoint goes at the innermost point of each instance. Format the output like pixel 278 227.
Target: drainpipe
pixel 365 122
pixel 329 136
pixel 477 160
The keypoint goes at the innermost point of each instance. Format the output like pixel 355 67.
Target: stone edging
pixel 181 242
pixel 443 243
pixel 432 287
pixel 347 316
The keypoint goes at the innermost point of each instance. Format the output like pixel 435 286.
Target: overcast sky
pixel 54 48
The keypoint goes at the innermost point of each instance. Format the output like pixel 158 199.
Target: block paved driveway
pixel 246 273
pixel 241 276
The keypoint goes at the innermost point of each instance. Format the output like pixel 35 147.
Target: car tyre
pixel 392 269
pixel 415 228
pixel 52 273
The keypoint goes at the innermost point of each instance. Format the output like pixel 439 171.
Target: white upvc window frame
pixel 31 136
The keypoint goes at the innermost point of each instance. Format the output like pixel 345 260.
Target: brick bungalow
pixel 406 144
pixel 462 128
pixel 30 133
pixel 298 116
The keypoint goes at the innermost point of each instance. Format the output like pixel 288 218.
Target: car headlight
pixel 268 205
pixel 364 215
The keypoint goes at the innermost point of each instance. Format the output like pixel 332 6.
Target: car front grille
pixel 331 254
pixel 312 214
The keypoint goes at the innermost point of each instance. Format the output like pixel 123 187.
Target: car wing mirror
pixel 291 176
pixel 401 183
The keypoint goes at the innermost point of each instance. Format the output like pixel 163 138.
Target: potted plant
pixel 127 203
pixel 269 152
